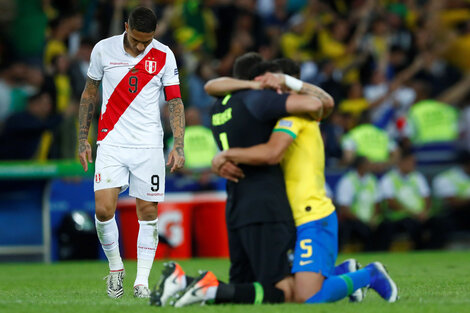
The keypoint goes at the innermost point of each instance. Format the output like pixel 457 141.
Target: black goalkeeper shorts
pixel 260 252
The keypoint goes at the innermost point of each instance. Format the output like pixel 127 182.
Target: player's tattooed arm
pixel 87 107
pixel 85 116
pixel 177 122
pixel 326 100
pixel 277 81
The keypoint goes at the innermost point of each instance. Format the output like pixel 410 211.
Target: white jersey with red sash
pixel 132 87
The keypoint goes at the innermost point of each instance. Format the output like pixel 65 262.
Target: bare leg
pixel 105 203
pixel 307 284
pixel 287 286
pixel 146 211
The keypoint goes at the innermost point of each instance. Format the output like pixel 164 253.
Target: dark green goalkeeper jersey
pixel 243 119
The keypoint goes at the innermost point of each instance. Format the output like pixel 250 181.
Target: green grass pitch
pixel 427 282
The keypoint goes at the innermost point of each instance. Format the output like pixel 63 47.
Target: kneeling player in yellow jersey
pixel 296 142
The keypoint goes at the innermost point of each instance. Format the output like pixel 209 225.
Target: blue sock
pixel 341 269
pixel 337 287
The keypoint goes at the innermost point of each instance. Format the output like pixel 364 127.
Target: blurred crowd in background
pixel 398 71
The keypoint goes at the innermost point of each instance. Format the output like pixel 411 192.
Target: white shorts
pixel 142 170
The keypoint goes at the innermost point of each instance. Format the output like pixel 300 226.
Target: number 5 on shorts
pixel 306 245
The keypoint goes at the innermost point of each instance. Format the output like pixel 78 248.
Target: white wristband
pixel 293 83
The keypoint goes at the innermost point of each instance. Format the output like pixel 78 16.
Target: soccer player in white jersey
pixel 134 70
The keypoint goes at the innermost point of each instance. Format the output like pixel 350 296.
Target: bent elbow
pixel 274 158
pixel 273 162
pixel 327 107
pixel 329 103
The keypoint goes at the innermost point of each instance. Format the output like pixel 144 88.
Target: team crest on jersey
pixel 98 178
pixel 150 66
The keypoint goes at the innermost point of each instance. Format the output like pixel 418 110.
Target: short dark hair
pixel 288 66
pixel 244 64
pixel 262 68
pixel 142 20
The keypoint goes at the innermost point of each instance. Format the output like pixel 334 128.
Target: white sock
pixel 147 242
pixel 109 237
pixel 210 293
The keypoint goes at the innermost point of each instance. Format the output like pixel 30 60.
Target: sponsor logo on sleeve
pixel 176 71
pixel 285 123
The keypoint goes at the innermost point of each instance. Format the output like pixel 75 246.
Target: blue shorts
pixel 316 247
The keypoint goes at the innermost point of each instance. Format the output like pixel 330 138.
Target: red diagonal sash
pixel 127 90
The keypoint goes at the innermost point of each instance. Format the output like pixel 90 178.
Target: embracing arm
pixel 224 85
pixel 268 153
pixel 319 103
pixel 85 116
pixel 327 101
pixel 304 104
pixel 177 122
pixel 224 163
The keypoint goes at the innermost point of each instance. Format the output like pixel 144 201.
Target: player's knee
pixel 103 213
pixel 303 293
pixel 147 217
pixel 147 212
pixel 301 297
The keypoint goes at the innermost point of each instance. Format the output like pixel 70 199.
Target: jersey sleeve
pixel 265 105
pixel 95 70
pixel 170 78
pixel 291 125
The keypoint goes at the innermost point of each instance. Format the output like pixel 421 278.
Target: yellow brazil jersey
pixel 303 165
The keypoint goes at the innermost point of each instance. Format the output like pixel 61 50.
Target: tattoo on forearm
pixel 325 99
pixel 317 92
pixel 87 108
pixel 177 122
